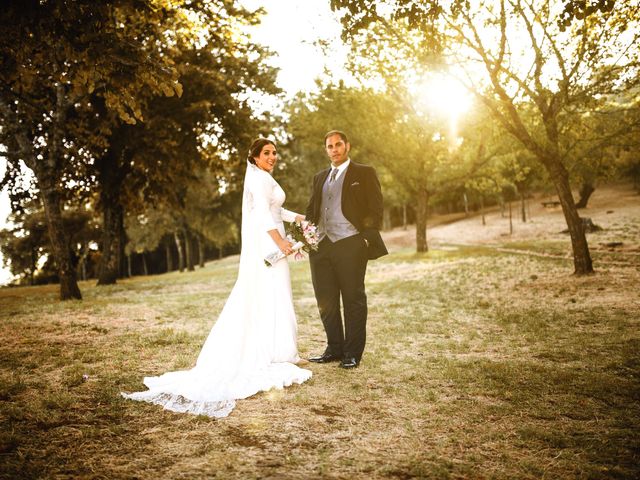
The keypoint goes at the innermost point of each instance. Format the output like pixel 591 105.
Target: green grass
pixel 479 364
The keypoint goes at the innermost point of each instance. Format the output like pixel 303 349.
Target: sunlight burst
pixel 440 95
pixel 443 95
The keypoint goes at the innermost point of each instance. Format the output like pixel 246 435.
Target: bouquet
pixel 302 235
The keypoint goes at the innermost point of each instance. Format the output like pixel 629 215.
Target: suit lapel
pixel 348 176
pixel 322 177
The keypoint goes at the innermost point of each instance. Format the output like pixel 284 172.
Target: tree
pixel 56 54
pixel 22 247
pixel 415 152
pixel 114 130
pixel 416 145
pixel 599 139
pixel 628 161
pixel 200 129
pixel 25 245
pixel 539 66
pixel 209 213
pixel 145 232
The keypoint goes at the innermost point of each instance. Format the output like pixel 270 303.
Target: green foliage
pixel 204 129
pixel 146 230
pixel 25 244
pixel 380 132
pixel 203 210
pixel 534 74
pixel 574 93
pixel 69 56
pixel 118 103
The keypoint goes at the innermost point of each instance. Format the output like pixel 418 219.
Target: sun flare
pixel 441 95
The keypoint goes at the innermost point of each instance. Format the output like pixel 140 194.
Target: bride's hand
pixel 285 246
pixel 300 218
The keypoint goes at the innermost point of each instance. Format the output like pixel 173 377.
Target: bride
pixel 252 347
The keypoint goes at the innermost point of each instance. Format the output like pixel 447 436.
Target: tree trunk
pixel 421 221
pixel 59 242
pixel 510 219
pixel 111 173
pixel 404 216
pixel 484 221
pixel 188 247
pixel 386 219
pixel 523 207
pixel 145 268
pixel 47 172
pixel 129 265
pixel 167 250
pixel 176 236
pixel 200 251
pixel 466 204
pixel 122 256
pixel 112 217
pixel 502 210
pixel 34 265
pixel 581 257
pixel 82 262
pixel 586 190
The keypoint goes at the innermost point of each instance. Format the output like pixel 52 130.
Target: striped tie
pixel 334 172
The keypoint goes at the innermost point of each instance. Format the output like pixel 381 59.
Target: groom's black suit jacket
pixel 361 203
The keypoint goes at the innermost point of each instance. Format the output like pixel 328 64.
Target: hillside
pixel 614 208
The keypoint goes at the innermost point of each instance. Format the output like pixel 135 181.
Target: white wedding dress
pixel 252 347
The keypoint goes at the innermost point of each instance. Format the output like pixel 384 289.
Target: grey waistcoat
pixel 332 222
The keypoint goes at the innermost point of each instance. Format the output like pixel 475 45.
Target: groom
pixel 346 205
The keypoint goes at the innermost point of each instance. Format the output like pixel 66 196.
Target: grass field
pixel 480 363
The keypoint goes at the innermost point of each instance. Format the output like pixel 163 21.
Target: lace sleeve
pixel 288 215
pixel 259 194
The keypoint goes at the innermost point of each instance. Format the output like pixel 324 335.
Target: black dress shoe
pixel 348 362
pixel 325 358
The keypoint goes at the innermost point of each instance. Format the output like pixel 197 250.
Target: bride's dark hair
pixel 256 148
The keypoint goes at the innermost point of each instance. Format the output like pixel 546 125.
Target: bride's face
pixel 267 158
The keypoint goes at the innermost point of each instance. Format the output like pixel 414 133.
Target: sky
pixel 289 28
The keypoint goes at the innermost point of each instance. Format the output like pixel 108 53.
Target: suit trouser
pixel 337 270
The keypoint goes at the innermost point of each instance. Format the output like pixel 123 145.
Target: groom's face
pixel 337 149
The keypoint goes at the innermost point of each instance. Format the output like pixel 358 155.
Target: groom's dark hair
pixel 343 136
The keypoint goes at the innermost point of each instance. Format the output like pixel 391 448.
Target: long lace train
pixel 252 347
